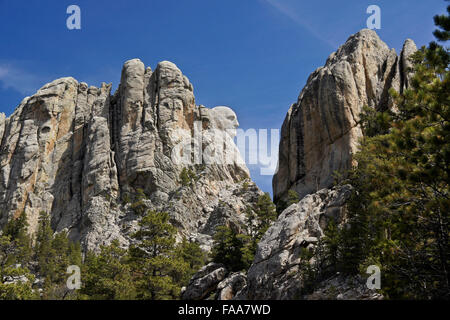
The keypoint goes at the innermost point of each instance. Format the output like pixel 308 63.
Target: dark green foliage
pixel 18 290
pixel 16 227
pixel 332 244
pixel 15 252
pixel 265 212
pixel 375 123
pixel 232 249
pixel 443 22
pixel 157 268
pixel 187 177
pixel 54 254
pixel 108 276
pixel 259 218
pixel 43 239
pixel 292 198
pixel 17 231
pixel 75 254
pixel 194 256
pixel 398 217
pixel 138 206
pixel 311 272
pixel 236 250
pixel 154 268
pixel 281 205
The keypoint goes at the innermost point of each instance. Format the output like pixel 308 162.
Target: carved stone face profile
pixel 224 118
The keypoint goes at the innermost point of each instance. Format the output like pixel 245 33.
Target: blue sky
pixel 252 55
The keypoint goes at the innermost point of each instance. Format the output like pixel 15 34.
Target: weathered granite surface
pixel 79 153
pixel 321 131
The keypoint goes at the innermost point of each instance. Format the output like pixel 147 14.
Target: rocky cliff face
pixel 321 131
pixel 319 136
pixel 79 153
pixel 276 272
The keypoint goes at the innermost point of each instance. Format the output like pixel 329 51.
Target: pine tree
pixel 187 177
pixel 399 217
pixel 15 280
pixel 107 276
pixel 17 230
pixel 138 206
pixel 232 249
pixel 54 254
pixel 443 22
pixel 193 256
pixel 44 239
pixel 155 263
pixel 16 226
pixel 75 254
pixel 292 198
pixel 265 212
pixel 59 258
pixel 236 250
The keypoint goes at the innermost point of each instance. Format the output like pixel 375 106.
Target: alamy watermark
pixel 374 21
pixel 74 280
pixel 226 147
pixel 74 20
pixel 374 280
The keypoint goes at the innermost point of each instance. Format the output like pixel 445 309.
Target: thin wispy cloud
pixel 292 15
pixel 13 77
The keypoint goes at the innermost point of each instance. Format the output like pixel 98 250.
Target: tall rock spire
pixel 321 130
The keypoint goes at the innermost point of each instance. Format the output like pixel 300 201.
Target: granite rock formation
pixel 321 130
pixel 214 281
pixel 204 282
pixel 275 271
pixel 81 154
pixel 319 135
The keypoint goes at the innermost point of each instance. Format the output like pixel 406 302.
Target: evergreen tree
pixel 75 254
pixel 443 22
pixel 17 230
pixel 15 280
pixel 193 256
pixel 236 250
pixel 107 276
pixel 403 225
pixel 232 249
pixel 54 254
pixel 292 198
pixel 155 264
pixel 44 239
pixel 16 227
pixel 187 177
pixel 266 213
pixel 138 206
